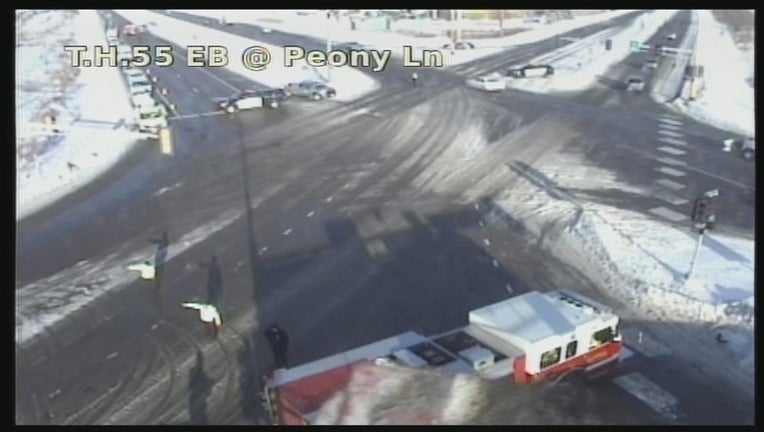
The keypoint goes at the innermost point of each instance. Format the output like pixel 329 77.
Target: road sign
pixel 636 47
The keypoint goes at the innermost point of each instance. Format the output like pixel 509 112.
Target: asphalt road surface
pixel 351 222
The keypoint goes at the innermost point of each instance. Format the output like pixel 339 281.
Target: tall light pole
pixel 328 42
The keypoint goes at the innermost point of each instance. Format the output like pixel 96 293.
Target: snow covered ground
pixel 728 98
pixel 349 82
pixel 316 25
pixel 45 302
pixel 51 167
pixel 642 263
pixel 578 65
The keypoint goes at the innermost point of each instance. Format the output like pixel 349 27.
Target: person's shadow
pixel 160 256
pixel 214 282
pixel 199 387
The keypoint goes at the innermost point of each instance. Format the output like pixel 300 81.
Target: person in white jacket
pixel 208 314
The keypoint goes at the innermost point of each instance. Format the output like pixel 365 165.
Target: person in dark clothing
pixel 278 339
pixel 214 281
pixel 414 77
pixel 160 256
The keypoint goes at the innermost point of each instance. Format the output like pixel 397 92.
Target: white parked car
pixel 139 85
pixel 487 83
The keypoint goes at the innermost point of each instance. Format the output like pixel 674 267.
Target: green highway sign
pixel 635 47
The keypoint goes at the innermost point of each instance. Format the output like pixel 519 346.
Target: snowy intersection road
pixel 356 214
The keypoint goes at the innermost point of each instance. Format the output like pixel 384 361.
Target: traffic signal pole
pixel 704 219
pixel 697 253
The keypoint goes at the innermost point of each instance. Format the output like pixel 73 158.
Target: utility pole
pixel 453 26
pixel 501 22
pixel 459 18
pixel 703 219
pixel 328 42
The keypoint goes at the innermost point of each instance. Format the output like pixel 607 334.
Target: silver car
pixel 635 85
pixel 311 89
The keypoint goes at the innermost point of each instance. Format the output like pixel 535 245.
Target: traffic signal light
pixel 165 141
pixel 699 210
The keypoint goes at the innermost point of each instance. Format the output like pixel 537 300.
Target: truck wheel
pixel 230 109
pixel 748 154
pixel 274 104
pixel 316 96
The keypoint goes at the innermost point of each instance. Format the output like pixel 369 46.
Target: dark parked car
pixel 530 71
pixel 460 45
pixel 249 99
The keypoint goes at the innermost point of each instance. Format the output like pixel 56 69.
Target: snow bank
pixel 578 65
pixel 317 26
pixel 728 98
pixel 642 263
pixel 720 295
pixel 45 302
pixel 50 168
pixel 349 83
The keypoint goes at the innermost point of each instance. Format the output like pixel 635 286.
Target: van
pixel 139 85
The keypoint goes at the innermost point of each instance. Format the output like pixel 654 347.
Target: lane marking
pixel 670 184
pixel 111 356
pixel 671 171
pixel 658 399
pixel 204 70
pixel 486 242
pixel 287 232
pixel 196 90
pixel 644 343
pixel 672 150
pixel 495 263
pixel 197 115
pixel 310 214
pixel 670 198
pixel 672 141
pixel 262 250
pixel 667 213
pixel 509 288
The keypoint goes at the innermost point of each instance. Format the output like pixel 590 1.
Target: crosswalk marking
pixel 671 161
pixel 667 213
pixel 670 184
pixel 671 133
pixel 669 126
pixel 672 141
pixel 671 171
pixel 670 121
pixel 650 393
pixel 671 150
pixel 645 344
pixel 670 198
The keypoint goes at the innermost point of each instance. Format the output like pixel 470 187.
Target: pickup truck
pixel 635 85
